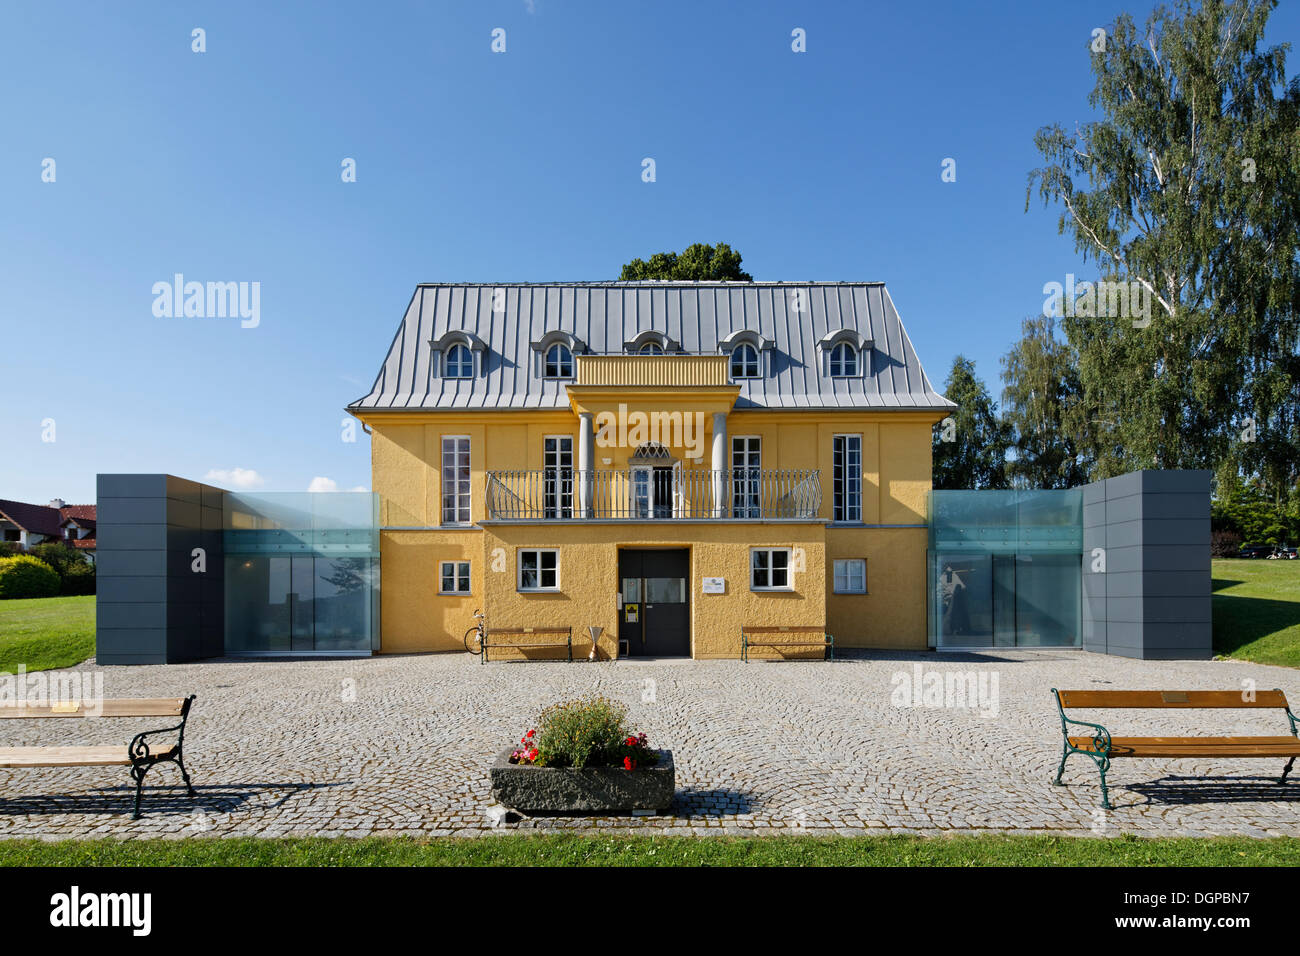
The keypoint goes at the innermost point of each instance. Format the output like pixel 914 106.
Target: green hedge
pixel 26 577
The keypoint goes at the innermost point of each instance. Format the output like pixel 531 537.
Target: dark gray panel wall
pixel 1153 599
pixel 151 606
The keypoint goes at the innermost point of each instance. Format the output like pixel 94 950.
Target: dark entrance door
pixel 655 618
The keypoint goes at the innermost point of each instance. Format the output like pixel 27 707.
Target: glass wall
pixel 1005 568
pixel 302 573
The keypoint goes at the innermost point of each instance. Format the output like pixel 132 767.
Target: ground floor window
pixel 454 577
pixel 769 569
pixel 851 576
pixel 539 570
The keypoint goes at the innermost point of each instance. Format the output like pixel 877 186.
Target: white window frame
pixel 458 518
pixel 848 576
pixel 651 348
pixel 519 575
pixel 849 476
pixel 751 481
pixel 566 360
pixel 446 362
pixel 789 562
pixel 757 365
pixel 456 577
pixel 849 349
pixel 559 507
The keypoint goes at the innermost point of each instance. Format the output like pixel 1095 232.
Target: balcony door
pixel 557 477
pixel 746 470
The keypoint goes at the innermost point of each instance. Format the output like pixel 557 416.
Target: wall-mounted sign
pixel 631 613
pixel 715 585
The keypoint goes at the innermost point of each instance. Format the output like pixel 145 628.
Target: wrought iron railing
pixel 653 493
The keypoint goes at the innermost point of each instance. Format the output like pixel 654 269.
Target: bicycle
pixel 477 634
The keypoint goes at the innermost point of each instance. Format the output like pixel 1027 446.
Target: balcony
pixel 653 494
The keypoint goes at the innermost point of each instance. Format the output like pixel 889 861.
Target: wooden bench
pixel 789 636
pixel 138 754
pixel 1102 748
pixel 489 639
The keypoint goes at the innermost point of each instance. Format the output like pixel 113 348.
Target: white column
pixel 586 463
pixel 719 464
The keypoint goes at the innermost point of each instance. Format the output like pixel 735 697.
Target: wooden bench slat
pixel 127 707
pixel 64 756
pixel 1169 698
pixel 1195 746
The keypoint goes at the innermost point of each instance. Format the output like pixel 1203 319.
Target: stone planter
pixel 594 790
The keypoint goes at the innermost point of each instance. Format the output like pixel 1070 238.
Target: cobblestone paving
pixel 402 745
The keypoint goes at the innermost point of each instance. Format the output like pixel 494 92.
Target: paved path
pixel 401 745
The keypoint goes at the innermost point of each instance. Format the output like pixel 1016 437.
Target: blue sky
pixel 475 166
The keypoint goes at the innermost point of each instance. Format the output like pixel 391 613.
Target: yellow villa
pixel 664 461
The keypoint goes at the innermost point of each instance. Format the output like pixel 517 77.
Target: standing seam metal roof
pixel 605 315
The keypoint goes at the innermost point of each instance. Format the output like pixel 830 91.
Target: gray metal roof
pixel 605 316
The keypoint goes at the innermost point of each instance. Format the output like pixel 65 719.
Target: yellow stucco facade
pixel 607 394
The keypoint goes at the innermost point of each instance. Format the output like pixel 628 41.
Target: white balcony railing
pixel 649 494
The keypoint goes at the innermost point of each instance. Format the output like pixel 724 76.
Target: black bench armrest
pixel 141 753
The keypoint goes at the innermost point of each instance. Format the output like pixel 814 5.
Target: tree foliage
pixel 970 446
pixel 1042 405
pixel 1188 185
pixel 698 262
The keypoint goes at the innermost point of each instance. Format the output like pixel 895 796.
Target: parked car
pixel 1256 551
pixel 1286 551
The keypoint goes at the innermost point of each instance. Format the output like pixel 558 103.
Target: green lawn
pixel 46 632
pixel 1257 610
pixel 571 850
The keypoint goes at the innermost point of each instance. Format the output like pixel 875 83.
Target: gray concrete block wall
pixel 1153 599
pixel 151 606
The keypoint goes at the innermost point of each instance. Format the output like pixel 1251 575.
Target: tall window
pixel 459 362
pixel 844 361
pixel 455 480
pixel 744 361
pixel 559 362
pixel 847 478
pixel 746 465
pixel 652 348
pixel 557 477
pixel 539 570
pixel 769 569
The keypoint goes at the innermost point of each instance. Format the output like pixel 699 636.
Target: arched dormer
pixel 554 354
pixel 747 352
pixel 845 353
pixel 651 342
pixel 457 354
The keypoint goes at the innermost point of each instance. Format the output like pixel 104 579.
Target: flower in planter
pixel 591 731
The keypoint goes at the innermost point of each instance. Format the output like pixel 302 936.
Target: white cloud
pixel 320 483
pixel 237 477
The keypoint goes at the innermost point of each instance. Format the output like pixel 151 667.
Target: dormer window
pixel 559 362
pixel 651 348
pixel 744 361
pixel 459 362
pixel 457 354
pixel 844 361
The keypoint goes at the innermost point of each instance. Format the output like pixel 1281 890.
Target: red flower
pixel 530 733
pixel 629 763
pixel 631 741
